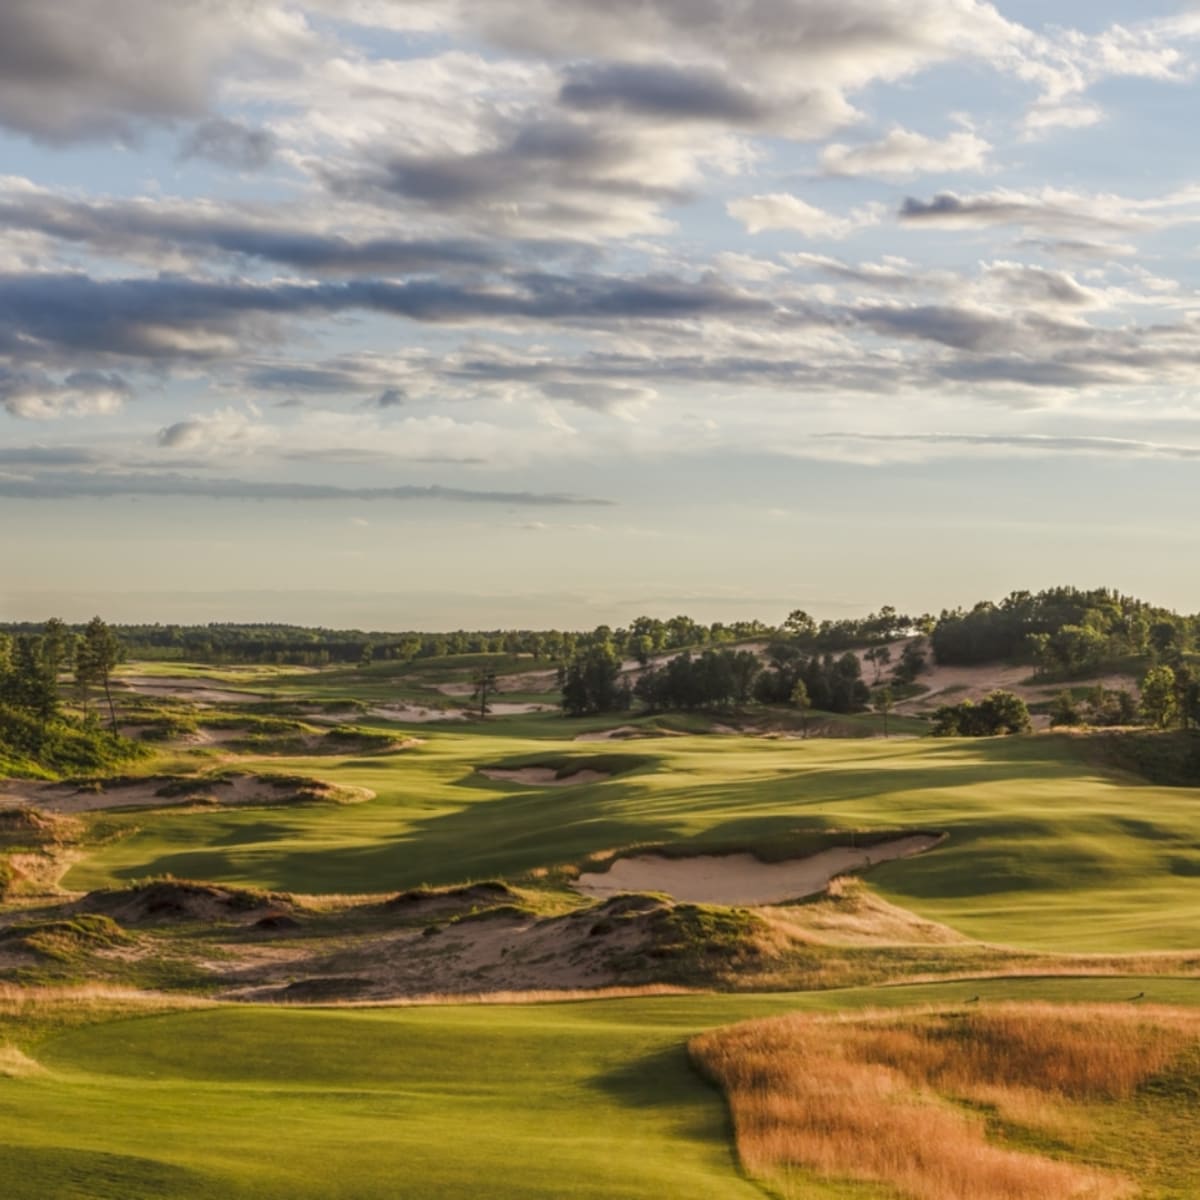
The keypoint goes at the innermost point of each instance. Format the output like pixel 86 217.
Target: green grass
pixel 584 1100
pixel 1045 849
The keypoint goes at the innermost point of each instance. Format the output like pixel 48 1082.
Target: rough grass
pixel 915 1103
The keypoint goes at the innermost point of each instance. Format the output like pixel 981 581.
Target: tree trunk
pixel 112 711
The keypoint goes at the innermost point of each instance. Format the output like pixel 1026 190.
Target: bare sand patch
pixel 609 735
pixel 543 776
pixel 174 688
pixel 742 879
pixel 225 791
pixel 415 714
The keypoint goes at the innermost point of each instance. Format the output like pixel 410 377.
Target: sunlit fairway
pixel 1045 850
pixel 588 1099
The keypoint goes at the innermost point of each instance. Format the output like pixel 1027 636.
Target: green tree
pixel 1158 696
pixel 592 681
pixel 1187 695
pixel 1064 710
pixel 801 701
pixel 884 701
pixel 800 625
pixel 878 657
pixel 96 657
pixel 485 686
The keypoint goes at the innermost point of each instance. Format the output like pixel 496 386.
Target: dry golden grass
pixel 528 996
pixel 15 1064
pixel 894 1098
pixel 47 1007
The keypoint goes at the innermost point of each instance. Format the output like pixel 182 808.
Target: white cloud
pixel 901 154
pixel 781 210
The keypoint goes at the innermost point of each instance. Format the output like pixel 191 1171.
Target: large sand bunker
pixel 742 878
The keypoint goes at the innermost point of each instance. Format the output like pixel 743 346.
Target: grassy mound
pixel 170 900
pixel 65 939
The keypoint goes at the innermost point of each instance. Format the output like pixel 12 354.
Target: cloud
pixel 1027 443
pixel 891 272
pixel 1050 212
pixel 844 42
pixel 77 69
pixel 901 154
pixel 221 431
pixel 230 143
pixel 661 90
pixel 160 228
pixel 35 396
pixel 61 486
pixel 780 210
pixel 541 174
pixel 171 318
pixel 968 328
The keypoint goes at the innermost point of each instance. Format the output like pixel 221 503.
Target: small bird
pixel 973 1000
pixel 1139 996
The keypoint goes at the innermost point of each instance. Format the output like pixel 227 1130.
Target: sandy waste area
pixel 742 878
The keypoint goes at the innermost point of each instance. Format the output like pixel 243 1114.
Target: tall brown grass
pixel 896 1099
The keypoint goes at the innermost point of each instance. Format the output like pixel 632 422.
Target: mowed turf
pixel 1044 850
pixel 592 1099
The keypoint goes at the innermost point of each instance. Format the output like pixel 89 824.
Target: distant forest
pixel 1061 629
pixel 803 664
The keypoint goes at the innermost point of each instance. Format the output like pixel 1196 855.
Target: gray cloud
pixel 968 329
pixel 1053 215
pixel 158 227
pixel 77 69
pixel 661 90
pixel 173 318
pixel 230 143
pixel 542 172
pixel 61 486
pixel 48 456
pixel 34 395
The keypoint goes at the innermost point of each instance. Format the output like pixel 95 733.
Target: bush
pixel 997 713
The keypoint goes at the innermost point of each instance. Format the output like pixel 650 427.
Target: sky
pixel 439 313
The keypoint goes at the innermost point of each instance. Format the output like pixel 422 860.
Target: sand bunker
pixel 544 777
pixel 742 878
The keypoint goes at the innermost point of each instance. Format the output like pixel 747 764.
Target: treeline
pixel 301 646
pixel 35 729
pixel 593 681
pixel 1061 630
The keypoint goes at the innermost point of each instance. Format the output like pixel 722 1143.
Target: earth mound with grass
pixel 168 900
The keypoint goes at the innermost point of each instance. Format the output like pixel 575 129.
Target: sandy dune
pixel 66 799
pixel 175 688
pixel 415 714
pixel 742 878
